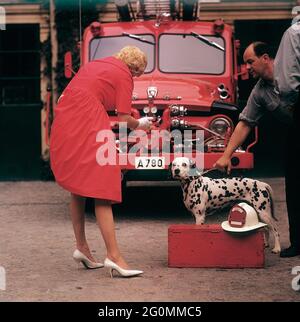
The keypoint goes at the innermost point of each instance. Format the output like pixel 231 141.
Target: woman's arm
pixel 132 123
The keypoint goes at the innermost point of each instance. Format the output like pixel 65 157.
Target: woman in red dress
pixel 99 86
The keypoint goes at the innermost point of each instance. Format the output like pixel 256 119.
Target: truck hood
pixel 196 93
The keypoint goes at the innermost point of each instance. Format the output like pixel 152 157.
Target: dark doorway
pixel 20 105
pixel 269 152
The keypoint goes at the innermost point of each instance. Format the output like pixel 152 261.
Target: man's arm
pixel 249 118
pixel 238 136
pixel 287 66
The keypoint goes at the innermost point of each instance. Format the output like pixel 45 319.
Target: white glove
pixel 144 123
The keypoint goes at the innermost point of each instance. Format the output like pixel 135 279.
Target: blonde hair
pixel 134 58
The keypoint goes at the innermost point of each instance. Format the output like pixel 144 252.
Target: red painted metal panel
pixel 211 246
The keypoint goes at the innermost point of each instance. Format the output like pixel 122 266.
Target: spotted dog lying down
pixel 203 195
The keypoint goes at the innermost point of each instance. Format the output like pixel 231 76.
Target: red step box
pixel 211 246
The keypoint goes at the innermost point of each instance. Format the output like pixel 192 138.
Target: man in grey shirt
pixel 287 81
pixel 264 97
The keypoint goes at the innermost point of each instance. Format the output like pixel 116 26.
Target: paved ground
pixel 36 245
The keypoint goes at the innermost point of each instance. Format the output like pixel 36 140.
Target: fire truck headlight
pixel 175 123
pixel 146 109
pixel 174 109
pixel 223 92
pixel 154 110
pixel 95 28
pixel 218 27
pixel 178 110
pixel 219 125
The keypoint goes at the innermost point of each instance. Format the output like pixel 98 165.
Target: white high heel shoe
pixel 123 272
pixel 79 257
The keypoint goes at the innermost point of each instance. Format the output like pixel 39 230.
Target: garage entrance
pixel 20 104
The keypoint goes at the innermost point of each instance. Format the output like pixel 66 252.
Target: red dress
pixel 100 85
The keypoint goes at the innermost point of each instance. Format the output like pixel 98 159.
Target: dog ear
pixel 194 171
pixel 192 164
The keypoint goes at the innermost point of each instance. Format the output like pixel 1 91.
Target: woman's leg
pixel 106 224
pixel 77 208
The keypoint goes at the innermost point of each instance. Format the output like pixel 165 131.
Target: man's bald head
pixel 259 60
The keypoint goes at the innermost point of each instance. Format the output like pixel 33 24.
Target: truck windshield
pixel 186 54
pixel 108 46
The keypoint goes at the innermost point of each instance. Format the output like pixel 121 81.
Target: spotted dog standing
pixel 203 195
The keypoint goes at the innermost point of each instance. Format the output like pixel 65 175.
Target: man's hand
pixel 238 136
pixel 223 164
pixel 144 123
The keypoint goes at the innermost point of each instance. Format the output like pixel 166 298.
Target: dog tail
pixel 271 195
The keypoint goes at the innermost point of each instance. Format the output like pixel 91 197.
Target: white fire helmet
pixel 242 218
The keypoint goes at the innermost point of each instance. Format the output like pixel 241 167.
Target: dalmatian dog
pixel 203 195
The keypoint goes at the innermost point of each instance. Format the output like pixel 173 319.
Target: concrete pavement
pixel 36 245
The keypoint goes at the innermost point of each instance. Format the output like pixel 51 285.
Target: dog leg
pixel 266 218
pixel 200 217
pixel 277 247
pixel 266 236
pixel 199 220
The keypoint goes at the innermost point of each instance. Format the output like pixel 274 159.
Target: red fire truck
pixel 190 83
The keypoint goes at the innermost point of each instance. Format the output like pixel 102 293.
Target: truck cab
pixel 189 86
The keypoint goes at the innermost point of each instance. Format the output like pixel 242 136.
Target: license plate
pixel 149 163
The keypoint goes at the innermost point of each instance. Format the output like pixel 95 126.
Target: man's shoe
pixel 290 252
